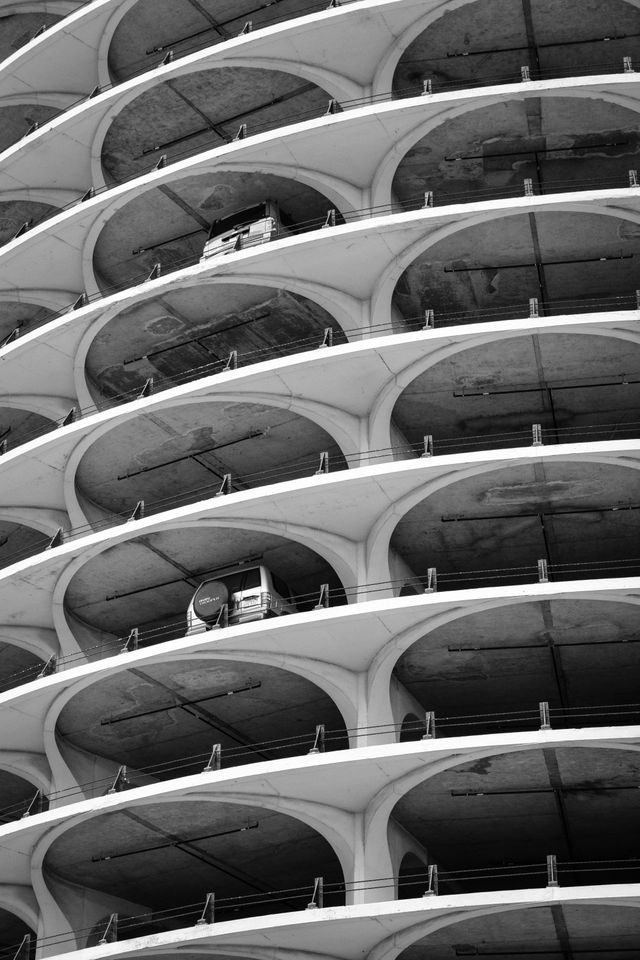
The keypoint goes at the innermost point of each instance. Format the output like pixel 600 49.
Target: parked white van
pixel 247 228
pixel 251 593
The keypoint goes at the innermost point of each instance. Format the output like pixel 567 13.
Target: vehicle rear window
pixel 242 580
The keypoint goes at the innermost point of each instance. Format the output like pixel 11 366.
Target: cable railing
pixel 324 739
pixel 319 893
pixel 329 337
pixel 330 461
pixel 141 636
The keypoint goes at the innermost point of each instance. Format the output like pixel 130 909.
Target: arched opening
pixel 199 111
pixel 491 528
pixel 148 582
pixel 170 224
pixel 18 541
pixel 13 930
pixel 609 929
pixel 577 387
pixel 181 455
pixel 412 877
pixel 487 672
pixel 412 728
pixel 190 332
pixel 558 143
pixel 566 262
pixel 167 857
pixel 490 823
pixel 162 720
pixel 152 27
pixel 489 42
pixel 16 796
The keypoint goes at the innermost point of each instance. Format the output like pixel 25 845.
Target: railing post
pixel 429 319
pixel 215 760
pixel 333 107
pixel 331 219
pixel 15 333
pixel 138 512
pixel 633 178
pixel 232 362
pixel 637 299
pixel 430 725
pixel 225 486
pixel 318 743
pixel 248 27
pixel 427 88
pixel 432 881
pixel 534 308
pixel 428 199
pixel 317 897
pixel 552 870
pixel 543 571
pixel 24 950
pixel 323 599
pixel 525 74
pixel 428 445
pixel 38 805
pixel 56 539
pixel 327 339
pixel 241 134
pixel 432 580
pixel 208 914
pixel 545 716
pixel 120 783
pixel 324 464
pixel 168 58
pixel 528 187
pixel 147 390
pixel 110 934
pixel 627 65
pixel 156 270
pixel 131 643
pixel 70 417
pixel 223 618
pixel 536 434
pixel 48 669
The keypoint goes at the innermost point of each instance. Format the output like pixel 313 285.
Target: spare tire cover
pixel 209 597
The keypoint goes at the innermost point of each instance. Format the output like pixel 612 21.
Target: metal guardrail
pixel 320 893
pixel 325 740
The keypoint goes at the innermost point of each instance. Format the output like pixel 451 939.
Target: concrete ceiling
pixel 488 42
pixel 223 317
pixel 572 653
pixel 15 213
pixel 22 315
pixel 18 542
pixel 17 666
pixel 156 222
pixel 513 517
pixel 183 453
pixel 15 794
pixel 279 853
pixel 565 382
pixel 200 111
pixel 514 809
pixel 20 426
pixel 153 23
pixel 554 933
pixel 156 576
pixel 15 123
pixel 492 266
pixel 560 143
pixel 280 706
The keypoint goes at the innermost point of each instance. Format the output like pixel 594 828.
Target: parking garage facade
pixel 327 315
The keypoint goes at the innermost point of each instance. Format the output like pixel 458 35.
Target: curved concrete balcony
pixel 369 844
pixel 595 916
pixel 97 586
pixel 374 282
